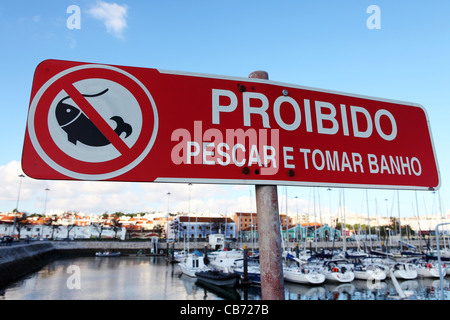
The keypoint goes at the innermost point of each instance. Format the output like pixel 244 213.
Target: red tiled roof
pixel 7 219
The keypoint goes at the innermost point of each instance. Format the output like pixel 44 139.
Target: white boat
pixel 303 275
pixel 427 270
pixel 355 254
pixel 404 271
pixel 107 254
pixel 338 272
pixel 298 270
pixel 193 263
pixel 401 294
pixel 447 270
pixel 180 256
pixel 369 272
pixel 224 260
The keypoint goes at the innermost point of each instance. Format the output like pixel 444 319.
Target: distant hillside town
pixel 240 225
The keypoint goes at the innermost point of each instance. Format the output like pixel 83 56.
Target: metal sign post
pixel 269 238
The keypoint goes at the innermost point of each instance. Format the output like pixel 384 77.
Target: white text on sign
pixel 262 148
pixel 326 115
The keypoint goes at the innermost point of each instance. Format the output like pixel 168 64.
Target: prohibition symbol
pixel 93 122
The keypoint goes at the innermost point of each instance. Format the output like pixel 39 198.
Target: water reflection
pixel 152 278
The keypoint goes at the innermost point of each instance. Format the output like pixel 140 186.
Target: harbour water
pixel 153 278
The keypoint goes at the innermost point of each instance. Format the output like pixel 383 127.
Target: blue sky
pixel 322 44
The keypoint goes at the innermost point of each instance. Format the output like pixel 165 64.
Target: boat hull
pixel 369 272
pixel 428 271
pixel 299 276
pixel 341 277
pixel 218 278
pixel 192 264
pixel 405 275
pixel 189 271
pixel 253 274
pixel 370 275
pixel 107 254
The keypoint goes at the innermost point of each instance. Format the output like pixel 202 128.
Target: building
pixel 59 232
pixel 187 227
pixel 245 220
pixel 72 225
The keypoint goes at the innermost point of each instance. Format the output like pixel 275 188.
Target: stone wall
pixel 21 259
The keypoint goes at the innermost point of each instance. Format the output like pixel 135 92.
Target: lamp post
pixel 189 218
pixel 17 205
pixel 45 210
pixel 297 229
pixel 168 225
pixel 45 203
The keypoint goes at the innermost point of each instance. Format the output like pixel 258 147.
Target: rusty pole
pixel 269 237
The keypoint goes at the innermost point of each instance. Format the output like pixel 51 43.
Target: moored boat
pixel 427 269
pixel 253 273
pixel 224 260
pixel 303 275
pixel 218 278
pixel 369 272
pixel 107 254
pixel 193 263
pixel 404 271
pixel 337 272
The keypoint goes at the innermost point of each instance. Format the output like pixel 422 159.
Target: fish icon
pixel 79 128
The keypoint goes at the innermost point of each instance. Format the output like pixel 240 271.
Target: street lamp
pixel 45 210
pixel 297 224
pixel 168 195
pixel 168 225
pixel 189 218
pixel 17 204
pixel 45 203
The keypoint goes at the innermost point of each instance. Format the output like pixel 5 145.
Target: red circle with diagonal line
pixel 129 156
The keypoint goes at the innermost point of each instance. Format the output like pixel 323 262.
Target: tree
pixel 116 224
pixel 69 228
pixel 99 226
pixel 51 223
pixel 21 221
pixel 175 227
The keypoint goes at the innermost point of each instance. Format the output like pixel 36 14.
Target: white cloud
pixel 113 16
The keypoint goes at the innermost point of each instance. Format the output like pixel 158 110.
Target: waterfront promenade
pixel 133 247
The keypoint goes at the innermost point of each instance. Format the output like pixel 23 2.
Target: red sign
pixel 100 122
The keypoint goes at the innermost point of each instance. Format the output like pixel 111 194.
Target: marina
pixel 152 278
pixel 157 277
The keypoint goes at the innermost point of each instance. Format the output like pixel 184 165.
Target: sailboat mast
pixel 418 220
pixel 344 231
pixel 399 223
pixel 368 218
